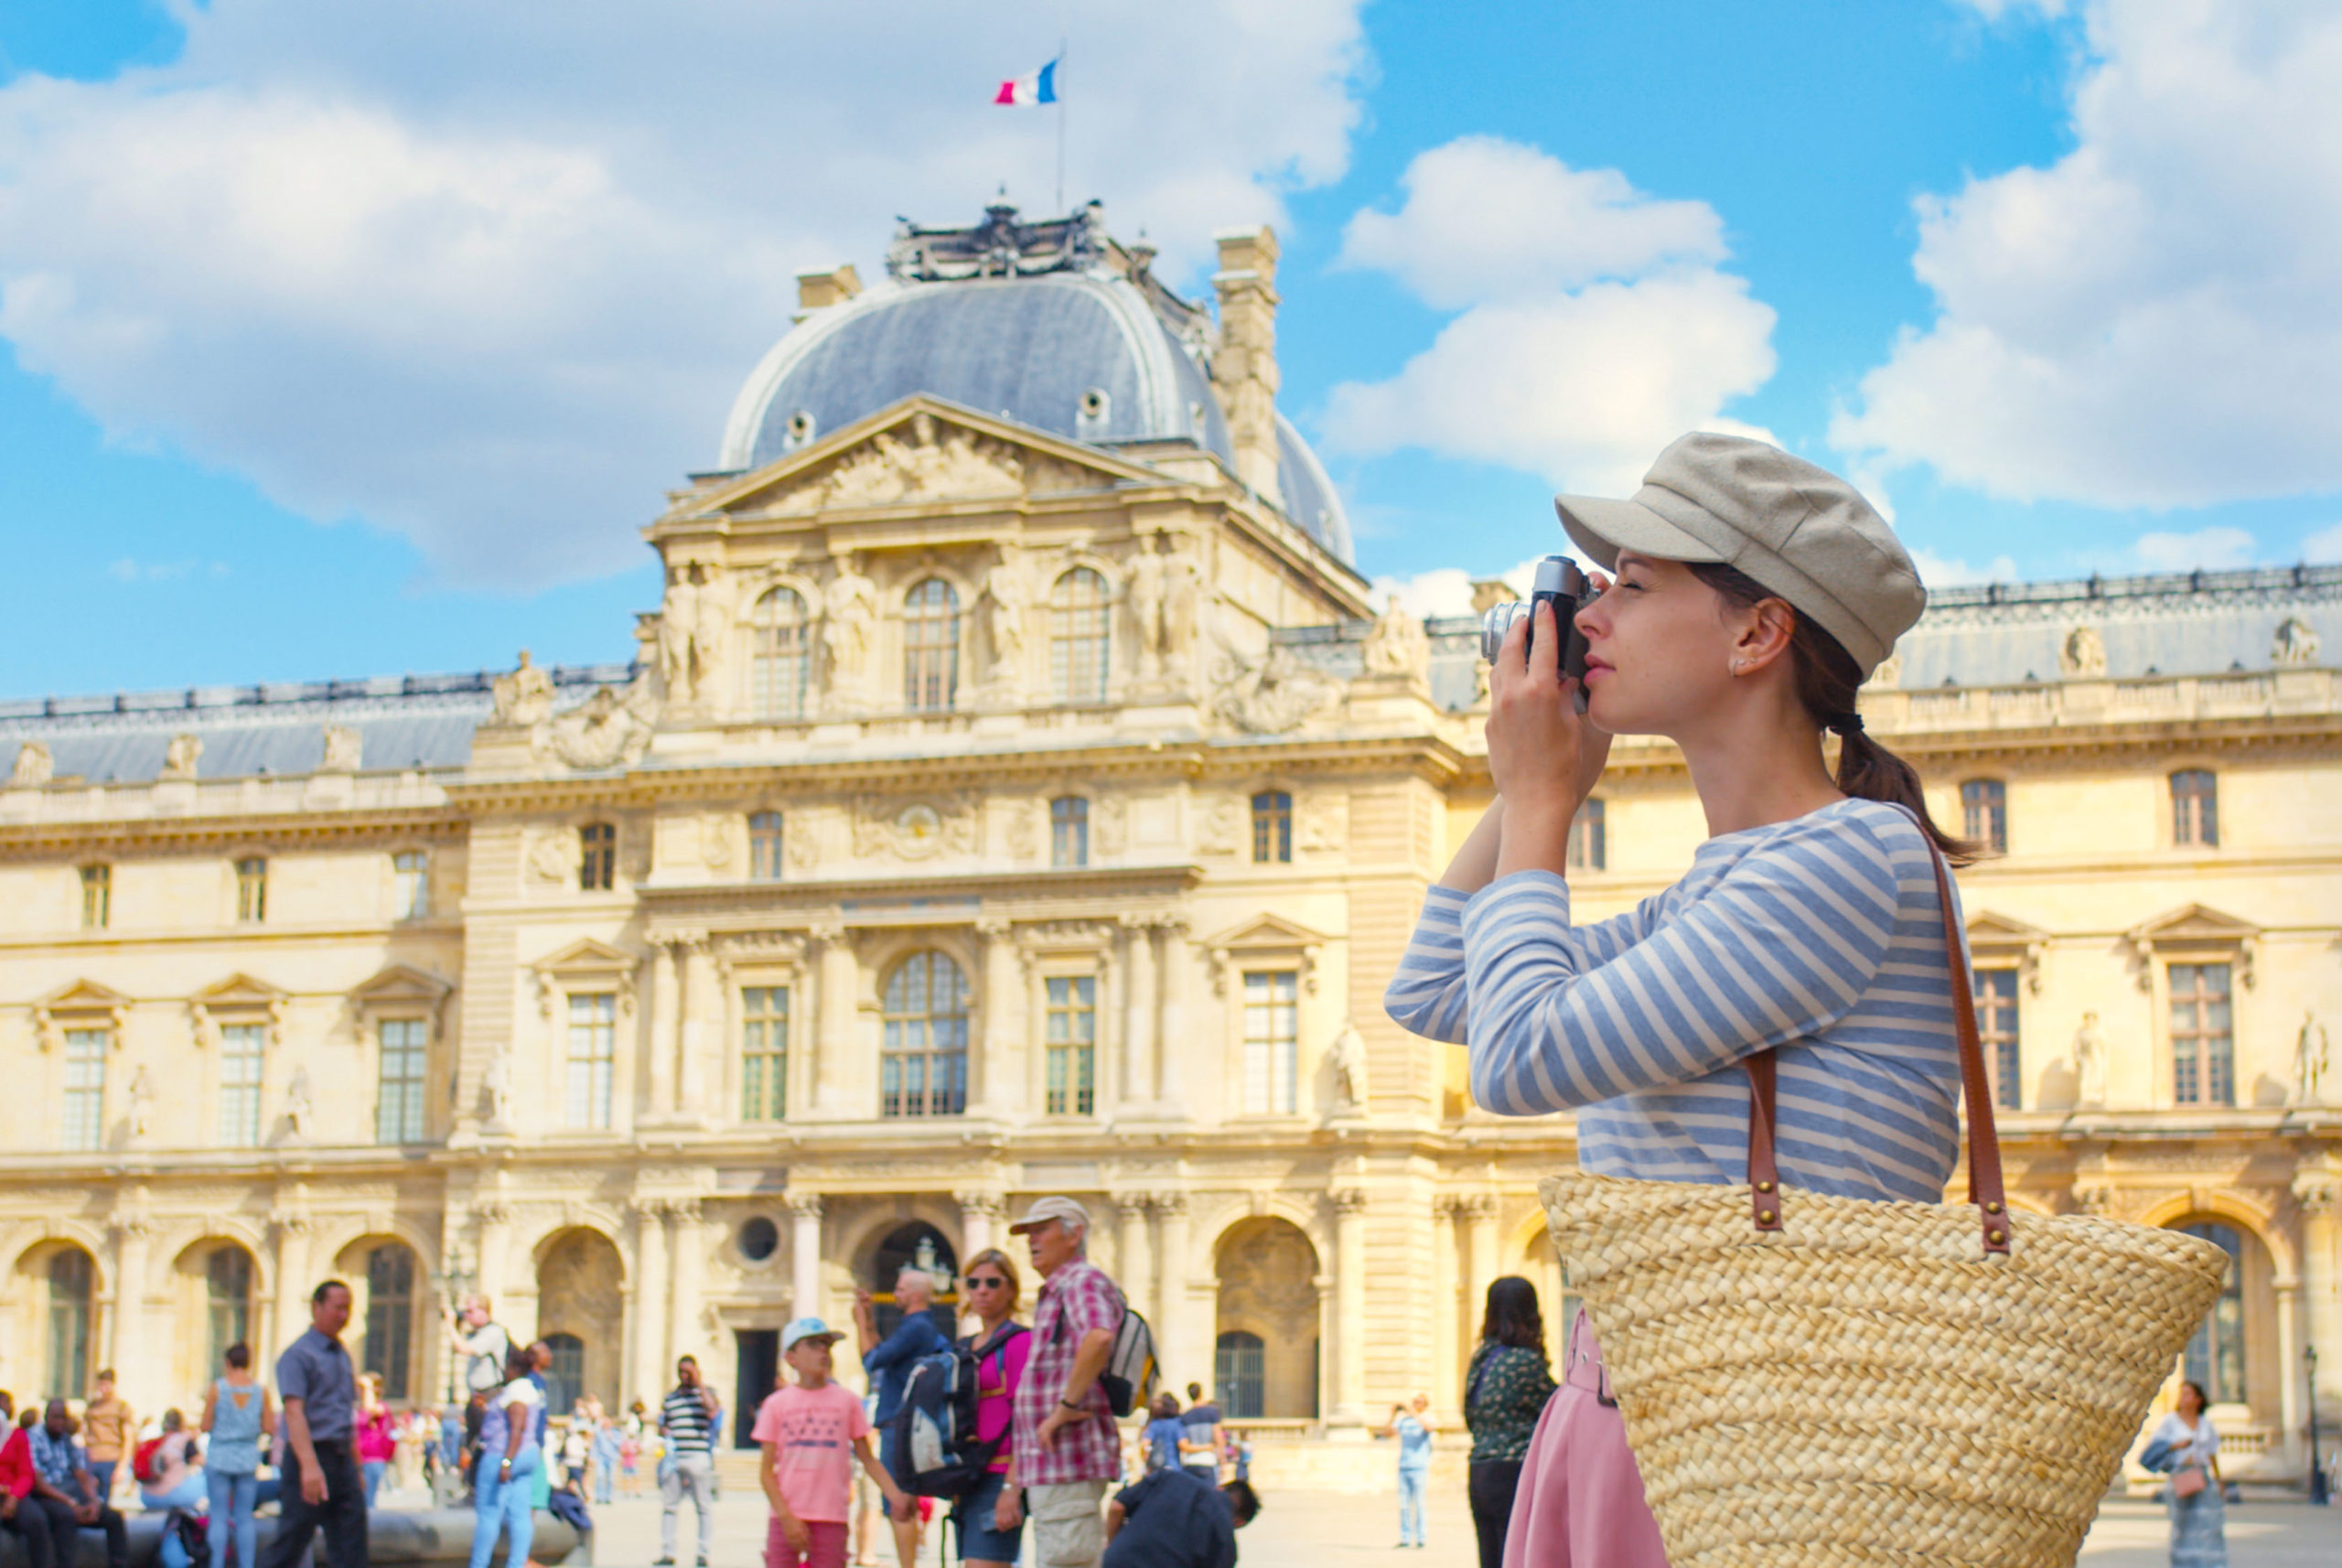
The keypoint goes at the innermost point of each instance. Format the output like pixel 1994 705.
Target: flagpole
pixel 1061 81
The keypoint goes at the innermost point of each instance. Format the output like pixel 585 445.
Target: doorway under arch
pixel 2233 1351
pixel 1266 1334
pixel 580 1286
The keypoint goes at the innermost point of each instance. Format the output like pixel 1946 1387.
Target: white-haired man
pixel 889 1361
pixel 1066 1446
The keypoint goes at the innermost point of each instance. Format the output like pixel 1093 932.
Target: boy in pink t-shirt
pixel 812 1432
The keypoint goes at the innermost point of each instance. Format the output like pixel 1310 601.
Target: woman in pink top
pixel 992 1517
pixel 377 1444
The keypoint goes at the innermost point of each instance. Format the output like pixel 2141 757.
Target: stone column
pixel 293 1281
pixel 1135 1258
pixel 1138 1028
pixel 127 1332
pixel 2291 1422
pixel 646 1307
pixel 690 1006
pixel 1478 1210
pixel 805 1254
pixel 1451 1305
pixel 1349 1308
pixel 1173 1345
pixel 492 1242
pixel 1177 1046
pixel 833 1043
pixel 2315 1191
pixel 999 1089
pixel 981 1212
pixel 661 1030
pixel 686 1334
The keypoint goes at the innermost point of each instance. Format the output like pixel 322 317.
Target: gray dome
pixel 1082 355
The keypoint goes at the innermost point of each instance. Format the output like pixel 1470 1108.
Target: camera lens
pixel 1496 624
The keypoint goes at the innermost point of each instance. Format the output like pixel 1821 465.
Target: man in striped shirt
pixel 687 1419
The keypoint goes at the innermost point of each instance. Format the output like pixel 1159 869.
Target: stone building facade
pixel 1015 792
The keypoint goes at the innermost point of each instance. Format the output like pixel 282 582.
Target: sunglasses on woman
pixel 984 1281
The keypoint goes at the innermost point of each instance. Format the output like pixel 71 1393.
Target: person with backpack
pixel 1066 1444
pixel 1200 1452
pixel 889 1361
pixel 989 1519
pixel 812 1434
pixel 1163 1434
pixel 237 1412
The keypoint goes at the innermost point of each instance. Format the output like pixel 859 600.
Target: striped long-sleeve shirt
pixel 1822 935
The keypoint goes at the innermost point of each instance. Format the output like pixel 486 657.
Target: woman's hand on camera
pixel 1543 755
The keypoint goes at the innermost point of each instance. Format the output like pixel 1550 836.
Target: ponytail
pixel 1827 681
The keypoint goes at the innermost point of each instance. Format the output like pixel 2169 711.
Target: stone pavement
pixel 1327 1530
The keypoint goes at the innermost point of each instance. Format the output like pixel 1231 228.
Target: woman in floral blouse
pixel 1505 1389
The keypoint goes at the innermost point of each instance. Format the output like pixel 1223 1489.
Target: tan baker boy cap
pixel 1802 531
pixel 1045 1209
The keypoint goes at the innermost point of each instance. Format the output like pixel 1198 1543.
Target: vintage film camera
pixel 1559 582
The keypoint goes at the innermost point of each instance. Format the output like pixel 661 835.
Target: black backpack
pixel 936 1452
pixel 194 1536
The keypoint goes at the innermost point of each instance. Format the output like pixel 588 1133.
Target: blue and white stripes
pixel 1822 936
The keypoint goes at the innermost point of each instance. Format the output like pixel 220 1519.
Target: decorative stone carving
pixel 142 1106
pixel 523 695
pixel 343 748
pixel 885 826
pixel 299 1107
pixel 1143 592
pixel 179 757
pixel 1003 602
pixel 1396 644
pixel 690 621
pixel 801 843
pixel 2295 644
pixel 1325 822
pixel 1025 829
pixel 2084 654
pixel 496 1089
pixel 804 1205
pixel 611 729
pixel 2093 1196
pixel 716 833
pixel 2090 1063
pixel 553 854
pixel 1222 831
pixel 2310 1058
pixel 1347 1056
pixel 938 460
pixel 1274 695
pixel 849 625
pixel 34 766
pixel 1108 824
pixel 1183 602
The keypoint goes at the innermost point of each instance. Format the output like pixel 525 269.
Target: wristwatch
pixel 1077 1409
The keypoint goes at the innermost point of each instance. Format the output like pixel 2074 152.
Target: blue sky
pixel 347 345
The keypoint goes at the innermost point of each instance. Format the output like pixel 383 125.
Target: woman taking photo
pixel 505 1485
pixel 1505 1390
pixel 990 1519
pixel 1752 594
pixel 2186 1445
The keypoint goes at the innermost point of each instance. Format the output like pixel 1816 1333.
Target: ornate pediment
pixel 401 989
pixel 1997 940
pixel 84 1005
pixel 923 450
pixel 1266 938
pixel 239 999
pixel 2197 929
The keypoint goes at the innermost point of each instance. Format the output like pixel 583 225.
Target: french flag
pixel 1041 87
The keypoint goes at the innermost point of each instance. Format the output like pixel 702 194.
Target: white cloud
pixel 2211 548
pixel 2156 319
pixel 2325 546
pixel 1447 590
pixel 1940 572
pixel 492 282
pixel 1595 326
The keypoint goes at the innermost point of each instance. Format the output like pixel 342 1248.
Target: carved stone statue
pixel 849 625
pixel 1004 607
pixel 1347 1057
pixel 181 756
pixel 1396 644
pixel 496 1088
pixel 2296 642
pixel 343 745
pixel 680 657
pixel 2310 1061
pixel 524 695
pixel 34 766
pixel 1145 591
pixel 299 1107
pixel 611 727
pixel 2084 653
pixel 1183 603
pixel 142 1105
pixel 1277 694
pixel 2089 1062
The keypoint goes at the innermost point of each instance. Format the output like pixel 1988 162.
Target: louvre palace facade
pixel 1017 791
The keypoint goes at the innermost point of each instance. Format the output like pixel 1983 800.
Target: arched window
pixel 598 857
pixel 924 1065
pixel 764 846
pixel 780 656
pixel 931 647
pixel 1236 1375
pixel 72 1278
pixel 565 1378
pixel 1271 827
pixel 1069 831
pixel 1080 616
pixel 2216 1353
pixel 390 1316
pixel 228 1299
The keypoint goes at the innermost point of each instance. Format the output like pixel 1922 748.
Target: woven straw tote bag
pixel 1824 1381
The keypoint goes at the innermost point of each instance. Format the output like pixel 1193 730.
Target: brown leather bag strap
pixel 1984 1184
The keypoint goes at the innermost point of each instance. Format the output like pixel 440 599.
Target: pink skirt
pixel 1581 1499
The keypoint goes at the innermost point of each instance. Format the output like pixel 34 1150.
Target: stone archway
pixel 580 1282
pixel 1266 1329
pixel 216 1284
pixel 2234 1351
pixel 59 1295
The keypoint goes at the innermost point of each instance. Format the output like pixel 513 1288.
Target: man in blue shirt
pixel 66 1490
pixel 322 1484
pixel 1175 1519
pixel 888 1361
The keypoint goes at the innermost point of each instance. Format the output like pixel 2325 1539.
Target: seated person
pixel 1174 1519
pixel 20 1515
pixel 65 1490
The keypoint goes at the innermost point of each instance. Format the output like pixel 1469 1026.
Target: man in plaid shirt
pixel 1068 1447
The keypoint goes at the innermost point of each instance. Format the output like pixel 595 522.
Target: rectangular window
pixel 1984 814
pixel 1589 847
pixel 97 896
pixel 410 871
pixel 241 1049
pixel 1069 831
pixel 85 1087
pixel 598 857
pixel 2203 1062
pixel 1271 827
pixel 593 1054
pixel 1996 1029
pixel 1272 1040
pixel 252 890
pixel 2195 807
pixel 1073 1046
pixel 764 846
pixel 398 1108
pixel 764 1053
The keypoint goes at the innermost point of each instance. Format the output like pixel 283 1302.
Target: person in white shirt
pixel 2187 1446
